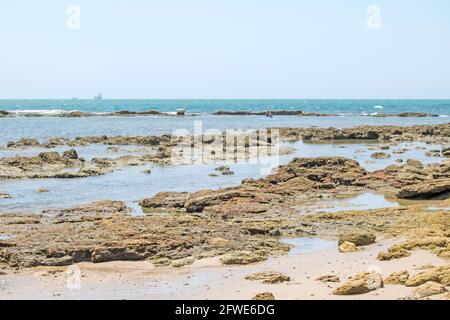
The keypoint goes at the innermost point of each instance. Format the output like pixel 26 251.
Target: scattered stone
pixel 358 238
pixel 380 155
pixel 161 262
pixel 182 262
pixel 347 247
pixel 264 296
pixel 242 257
pixel 42 190
pixel 5 195
pixel 328 278
pixel 2 273
pixel 360 283
pixel 428 289
pixel 446 152
pixel 270 277
pixel 397 278
pixel 213 175
pixel 147 171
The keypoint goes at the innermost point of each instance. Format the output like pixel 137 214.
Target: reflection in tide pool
pixel 305 245
pixel 365 201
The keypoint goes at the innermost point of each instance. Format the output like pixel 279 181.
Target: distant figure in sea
pixel 269 114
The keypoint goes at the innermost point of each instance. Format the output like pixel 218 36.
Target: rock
pixel 5 195
pixel 393 253
pixel 270 277
pixel 147 171
pixel 360 283
pixel 397 278
pixel 264 296
pixel 213 175
pixel 446 152
pixel 242 257
pixel 57 262
pixel 428 289
pixel 426 190
pixel 182 262
pixel 328 278
pixel 347 247
pixel 161 262
pixel 433 153
pixel 42 190
pixel 2 273
pixel 358 238
pixel 380 155
pixel 227 173
pixel 222 168
pixel 438 274
pixel 70 154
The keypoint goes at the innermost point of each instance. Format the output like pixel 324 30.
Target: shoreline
pixel 207 279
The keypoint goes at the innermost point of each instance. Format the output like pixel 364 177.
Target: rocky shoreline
pixel 243 224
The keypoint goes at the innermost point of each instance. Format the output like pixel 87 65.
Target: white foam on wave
pixel 42 111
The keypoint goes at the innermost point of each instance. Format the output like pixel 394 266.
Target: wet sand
pixel 207 279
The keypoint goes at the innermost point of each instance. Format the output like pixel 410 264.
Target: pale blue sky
pixel 225 49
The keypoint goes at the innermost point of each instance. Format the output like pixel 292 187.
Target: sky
pixel 225 49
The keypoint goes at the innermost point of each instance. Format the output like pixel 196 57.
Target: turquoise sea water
pixel 355 107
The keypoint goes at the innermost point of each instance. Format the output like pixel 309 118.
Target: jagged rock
pixel 347 247
pixel 361 283
pixel 426 190
pixel 437 274
pixel 358 238
pixel 264 296
pixel 328 278
pixel 428 289
pixel 242 257
pixel 70 154
pixel 270 277
pixel 397 278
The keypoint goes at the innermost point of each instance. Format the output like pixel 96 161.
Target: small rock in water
pixel 42 190
pixel 5 195
pixel 147 171
pixel 380 155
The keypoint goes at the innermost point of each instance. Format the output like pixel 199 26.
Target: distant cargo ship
pixel 98 97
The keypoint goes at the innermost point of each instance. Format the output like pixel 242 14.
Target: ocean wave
pixel 41 112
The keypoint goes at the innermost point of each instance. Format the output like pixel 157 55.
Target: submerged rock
pixel 380 155
pixel 361 283
pixel 182 262
pixel 5 195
